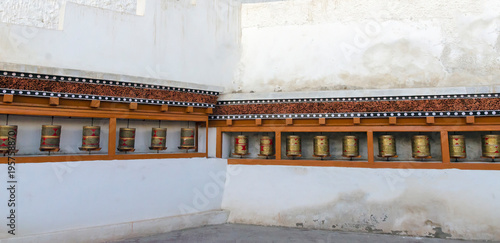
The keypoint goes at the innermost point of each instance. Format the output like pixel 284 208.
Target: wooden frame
pixel 39 106
pixel 368 126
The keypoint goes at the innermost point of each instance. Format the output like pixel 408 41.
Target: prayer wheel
pixel 293 147
pixel 91 137
pixel 387 146
pixel 266 146
pixel 8 138
pixel 241 145
pixel 51 137
pixel 420 146
pixel 457 146
pixel 350 146
pixel 187 138
pixel 321 146
pixel 490 145
pixel 158 138
pixel 127 139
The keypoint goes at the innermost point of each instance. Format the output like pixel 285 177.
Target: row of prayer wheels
pixel 158 139
pixel 51 138
pixel 387 146
pixel 294 147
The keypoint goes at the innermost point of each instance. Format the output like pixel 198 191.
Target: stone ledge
pixel 127 230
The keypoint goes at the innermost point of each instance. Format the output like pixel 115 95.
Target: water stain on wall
pixel 412 213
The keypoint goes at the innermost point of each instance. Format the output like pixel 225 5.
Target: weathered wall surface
pixel 52 197
pixel 435 203
pixel 300 45
pixel 188 41
pixel 46 13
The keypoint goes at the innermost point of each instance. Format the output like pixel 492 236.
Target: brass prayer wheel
pixel 187 138
pixel 490 145
pixel 266 146
pixel 241 145
pixel 158 138
pixel 387 146
pixel 457 146
pixel 350 146
pixel 8 138
pixel 126 141
pixel 321 146
pixel 51 137
pixel 91 137
pixel 293 147
pixel 420 146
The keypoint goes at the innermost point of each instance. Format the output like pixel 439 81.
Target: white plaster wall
pixel 53 197
pixel 188 41
pixel 402 201
pixel 46 13
pixel 299 45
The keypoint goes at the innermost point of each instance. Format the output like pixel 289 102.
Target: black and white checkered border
pixel 103 82
pixel 103 98
pixel 360 114
pixel 350 99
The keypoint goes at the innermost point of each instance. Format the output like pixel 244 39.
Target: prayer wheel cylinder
pixel 490 145
pixel 187 137
pixel 266 146
pixel 350 146
pixel 293 147
pixel 321 146
pixel 51 137
pixel 387 146
pixel 91 137
pixel 158 138
pixel 8 137
pixel 420 146
pixel 127 139
pixel 457 146
pixel 241 145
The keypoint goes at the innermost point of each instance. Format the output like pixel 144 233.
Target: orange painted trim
pixel 74 158
pixel 401 121
pixel 393 120
pixel 317 128
pixel 8 98
pixel 369 142
pixel 277 145
pixel 54 101
pixel 218 149
pixel 364 164
pixel 445 150
pixel 112 137
pixel 470 120
pixel 206 136
pixel 15 109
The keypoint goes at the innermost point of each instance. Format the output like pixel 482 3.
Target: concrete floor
pixel 250 233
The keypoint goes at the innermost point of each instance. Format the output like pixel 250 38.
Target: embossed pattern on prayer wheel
pixel 457 146
pixel 187 137
pixel 266 146
pixel 350 146
pixel 158 138
pixel 8 138
pixel 420 146
pixel 321 146
pixel 490 145
pixel 126 141
pixel 241 145
pixel 91 137
pixel 51 137
pixel 387 146
pixel 293 146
